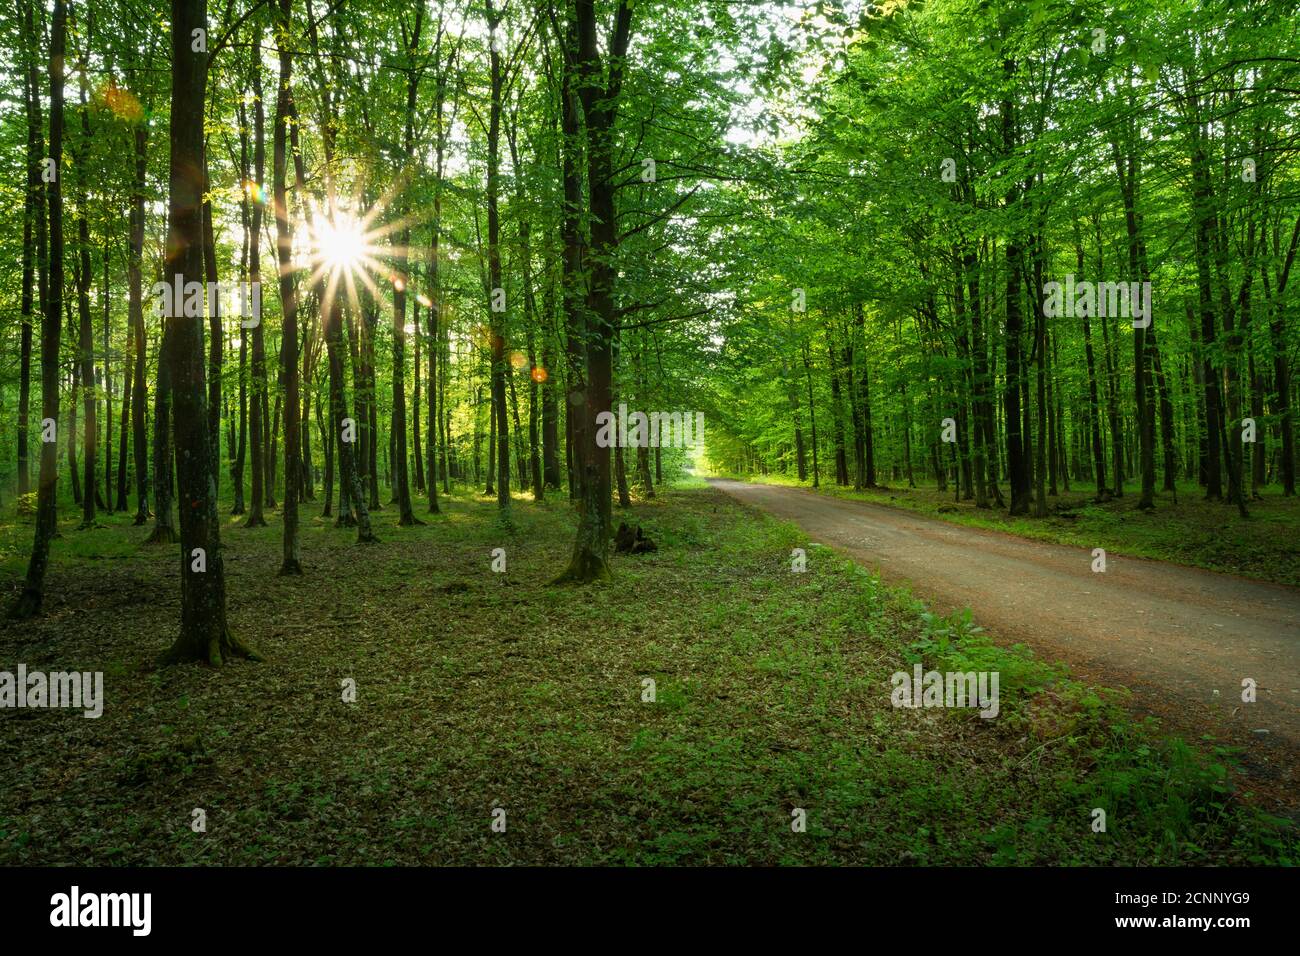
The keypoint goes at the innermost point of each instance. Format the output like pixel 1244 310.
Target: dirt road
pixel 1174 635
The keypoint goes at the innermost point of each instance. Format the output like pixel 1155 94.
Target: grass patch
pixel 478 690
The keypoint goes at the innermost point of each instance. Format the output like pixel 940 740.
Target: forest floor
pixel 1185 529
pixel 1181 639
pixel 477 690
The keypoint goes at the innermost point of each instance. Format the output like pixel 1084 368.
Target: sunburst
pixel 347 248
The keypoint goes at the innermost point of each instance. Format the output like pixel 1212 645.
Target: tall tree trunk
pixel 257 419
pixel 530 317
pixel 620 462
pixel 216 343
pixel 496 313
pixel 1094 406
pixel 273 433
pixel 860 396
pixel 1017 454
pixel 291 563
pixel 1040 398
pixel 837 418
pixel 1127 172
pixel 792 393
pixel 124 430
pixel 32 597
pixel 164 529
pixel 490 488
pixel 401 467
pixel 204 635
pixel 598 92
pixel 32 238
pixel 245 212
pixel 135 308
pixel 1203 214
pixel 550 407
pixel 417 447
pixel 1281 364
pixel 985 438
pixel 327 442
pixel 74 468
pixel 86 347
pixel 571 263
pixel 435 359
pixel 812 414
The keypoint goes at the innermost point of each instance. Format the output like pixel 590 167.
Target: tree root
pixel 585 568
pixel 219 648
pixel 162 534
pixel 27 606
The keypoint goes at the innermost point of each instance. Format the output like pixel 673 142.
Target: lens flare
pixel 341 245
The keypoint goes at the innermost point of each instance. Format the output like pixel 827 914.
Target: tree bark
pixel 291 563
pixel 257 420
pixel 204 634
pixel 86 347
pixel 32 597
pixel 598 93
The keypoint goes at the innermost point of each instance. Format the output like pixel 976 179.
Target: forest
pixel 501 393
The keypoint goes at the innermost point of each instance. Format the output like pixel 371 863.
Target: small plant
pixel 939 633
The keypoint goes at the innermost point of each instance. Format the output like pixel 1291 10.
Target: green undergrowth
pixel 479 691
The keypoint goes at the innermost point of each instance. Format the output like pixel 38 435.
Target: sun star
pixel 341 244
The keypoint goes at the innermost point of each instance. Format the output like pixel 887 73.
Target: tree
pixel 598 82
pixel 47 517
pixel 292 563
pixel 204 634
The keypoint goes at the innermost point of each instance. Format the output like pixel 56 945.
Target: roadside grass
pixel 1189 530
pixel 478 690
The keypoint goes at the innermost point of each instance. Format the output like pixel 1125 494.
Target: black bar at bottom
pixel 204 905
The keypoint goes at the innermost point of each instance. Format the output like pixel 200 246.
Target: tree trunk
pixel 1281 364
pixel 216 345
pixel 139 439
pixel 812 415
pixel 1017 455
pixel 86 347
pixel 291 563
pixel 123 426
pixel 496 316
pixel 550 407
pixel 837 418
pixel 598 93
pixel 31 237
pixel 401 467
pixel 32 597
pixel 257 419
pixel 204 635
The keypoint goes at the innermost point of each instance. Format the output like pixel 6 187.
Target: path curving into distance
pixel 1173 635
